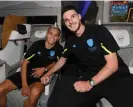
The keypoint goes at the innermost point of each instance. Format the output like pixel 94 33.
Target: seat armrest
pixel 49 87
pixel 10 70
pixel 131 70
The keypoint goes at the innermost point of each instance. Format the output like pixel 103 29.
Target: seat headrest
pixel 40 34
pixel 121 36
pixel 23 33
pixel 10 23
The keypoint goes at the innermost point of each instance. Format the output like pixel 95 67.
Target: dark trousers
pixel 118 92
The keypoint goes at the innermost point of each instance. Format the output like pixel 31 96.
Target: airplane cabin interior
pixel 24 22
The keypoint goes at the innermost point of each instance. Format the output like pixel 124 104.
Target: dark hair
pixel 69 7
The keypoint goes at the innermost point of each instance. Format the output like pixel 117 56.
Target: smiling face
pixel 72 20
pixel 53 35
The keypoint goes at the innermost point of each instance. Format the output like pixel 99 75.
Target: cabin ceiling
pixel 28 4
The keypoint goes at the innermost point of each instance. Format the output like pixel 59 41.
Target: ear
pixel 59 37
pixel 80 16
pixel 46 34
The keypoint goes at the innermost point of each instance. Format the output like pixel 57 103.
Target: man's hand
pixel 82 86
pixel 25 91
pixel 45 79
pixel 38 72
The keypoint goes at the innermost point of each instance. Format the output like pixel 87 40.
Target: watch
pixel 92 82
pixel 46 69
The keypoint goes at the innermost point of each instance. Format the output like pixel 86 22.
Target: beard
pixel 75 30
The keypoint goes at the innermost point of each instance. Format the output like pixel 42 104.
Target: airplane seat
pixel 40 34
pixel 18 100
pixel 13 55
pixel 131 66
pixel 42 102
pixel 122 37
pixel 13 52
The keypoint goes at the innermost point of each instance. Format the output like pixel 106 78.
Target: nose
pixel 70 21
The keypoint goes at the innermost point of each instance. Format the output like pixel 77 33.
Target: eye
pixel 50 33
pixel 56 35
pixel 73 16
pixel 66 20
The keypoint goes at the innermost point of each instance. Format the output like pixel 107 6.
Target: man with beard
pixel 101 73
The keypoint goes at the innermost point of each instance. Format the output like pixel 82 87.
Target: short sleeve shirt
pixel 92 46
pixel 40 56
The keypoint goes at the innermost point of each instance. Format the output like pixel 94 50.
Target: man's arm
pixel 110 67
pixel 38 72
pixel 49 66
pixel 24 72
pixel 25 88
pixel 55 68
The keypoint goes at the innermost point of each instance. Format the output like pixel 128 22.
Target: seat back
pixel 13 52
pixel 10 23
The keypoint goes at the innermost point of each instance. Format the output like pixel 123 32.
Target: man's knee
pixel 3 87
pixel 36 91
pixel 6 86
pixel 1 90
pixel 34 95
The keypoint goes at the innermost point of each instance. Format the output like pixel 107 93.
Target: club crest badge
pixel 39 53
pixel 52 53
pixel 90 42
pixel 74 46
